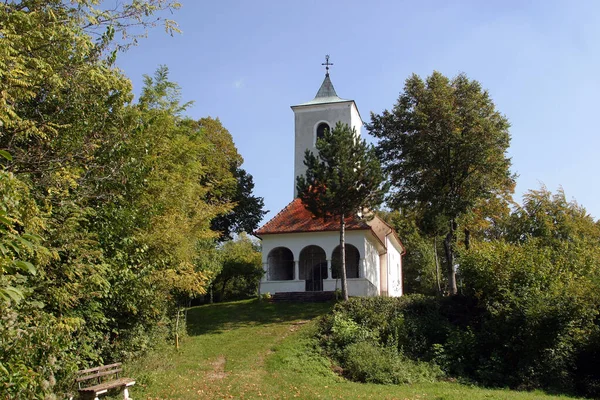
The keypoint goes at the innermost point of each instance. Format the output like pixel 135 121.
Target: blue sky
pixel 247 62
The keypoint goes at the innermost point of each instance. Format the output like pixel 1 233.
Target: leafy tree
pixel 20 244
pixel 59 88
pixel 444 147
pixel 241 269
pixel 551 219
pixel 156 209
pixel 342 180
pixel 247 212
pixel 62 109
pixel 248 209
pixel 538 286
pixel 420 267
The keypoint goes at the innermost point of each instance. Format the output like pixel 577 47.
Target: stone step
pixel 303 297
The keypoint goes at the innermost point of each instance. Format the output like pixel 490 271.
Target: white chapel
pixel 301 253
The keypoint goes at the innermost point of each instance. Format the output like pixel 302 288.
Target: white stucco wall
pixel 372 259
pixel 394 270
pixel 281 286
pixel 357 122
pixel 328 241
pixel 366 285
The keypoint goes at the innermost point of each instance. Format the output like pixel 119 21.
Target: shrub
pixel 410 323
pixel 346 332
pixel 380 339
pixel 368 362
pixel 540 312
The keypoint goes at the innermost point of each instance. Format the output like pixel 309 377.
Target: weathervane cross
pixel 327 64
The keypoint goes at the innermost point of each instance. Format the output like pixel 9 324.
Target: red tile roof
pixel 296 218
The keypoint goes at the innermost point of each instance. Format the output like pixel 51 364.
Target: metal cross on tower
pixel 327 64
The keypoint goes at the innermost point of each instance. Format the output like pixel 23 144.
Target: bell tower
pixel 322 113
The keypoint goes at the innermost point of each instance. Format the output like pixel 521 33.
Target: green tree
pixel 63 113
pixel 248 208
pixel 21 222
pixel 241 268
pixel 156 210
pixel 538 288
pixel 343 180
pixel 444 147
pixel 247 212
pixel 420 266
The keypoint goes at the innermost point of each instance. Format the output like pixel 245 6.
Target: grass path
pixel 253 350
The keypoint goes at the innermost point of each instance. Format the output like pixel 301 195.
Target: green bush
pixel 541 308
pixel 346 332
pixel 412 323
pixel 368 362
pixel 385 340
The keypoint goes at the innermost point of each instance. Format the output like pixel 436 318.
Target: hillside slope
pixel 251 350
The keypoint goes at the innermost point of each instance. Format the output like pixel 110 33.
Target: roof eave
pixel 309 104
pixel 313 231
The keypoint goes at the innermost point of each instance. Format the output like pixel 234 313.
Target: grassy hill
pixel 252 350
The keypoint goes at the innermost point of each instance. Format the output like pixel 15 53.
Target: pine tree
pixel 343 180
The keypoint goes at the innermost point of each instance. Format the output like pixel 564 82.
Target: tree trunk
pixel 343 250
pixel 448 247
pixel 467 239
pixel 223 289
pixel 437 265
pixel 177 328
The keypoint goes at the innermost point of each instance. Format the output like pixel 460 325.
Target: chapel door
pixel 316 275
pixel 313 268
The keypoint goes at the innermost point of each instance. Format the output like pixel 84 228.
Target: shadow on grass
pixel 216 318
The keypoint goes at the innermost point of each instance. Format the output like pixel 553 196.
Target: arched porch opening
pixel 313 267
pixel 352 262
pixel 280 262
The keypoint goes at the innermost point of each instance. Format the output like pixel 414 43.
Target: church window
pixel 352 262
pixel 321 128
pixel 281 264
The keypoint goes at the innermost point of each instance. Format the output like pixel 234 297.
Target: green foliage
pixel 247 209
pixel 370 363
pixel 366 362
pixel 528 316
pixel 346 332
pixel 247 212
pixel 386 340
pixel 342 180
pixel 539 291
pixel 106 207
pixel 420 266
pixel 241 270
pixel 20 244
pixel 252 349
pixel 444 147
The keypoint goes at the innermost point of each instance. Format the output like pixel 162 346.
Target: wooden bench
pixel 103 378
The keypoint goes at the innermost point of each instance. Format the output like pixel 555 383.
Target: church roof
pixel 326 94
pixel 295 218
pixel 326 89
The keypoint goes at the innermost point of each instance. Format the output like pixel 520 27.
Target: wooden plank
pixel 85 371
pixel 98 375
pixel 108 385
